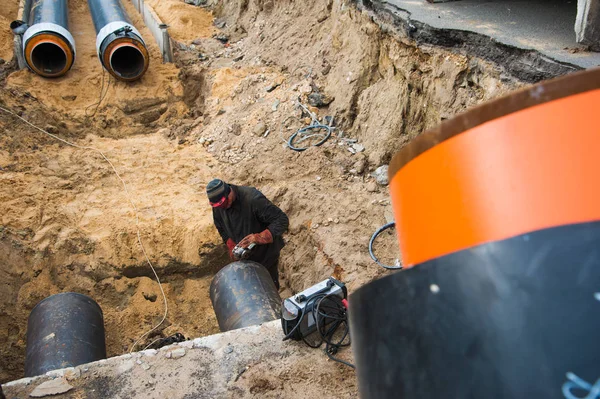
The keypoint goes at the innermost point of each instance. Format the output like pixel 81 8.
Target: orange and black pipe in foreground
pixel 498 218
pixel 525 162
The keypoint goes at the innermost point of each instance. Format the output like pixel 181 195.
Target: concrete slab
pixel 250 362
pixel 543 25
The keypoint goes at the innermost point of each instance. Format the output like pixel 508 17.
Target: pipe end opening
pixel 128 62
pixel 49 55
pixel 49 58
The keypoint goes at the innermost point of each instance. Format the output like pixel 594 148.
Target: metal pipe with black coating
pixel 64 330
pixel 243 294
pixel 119 45
pixel 500 295
pixel 48 46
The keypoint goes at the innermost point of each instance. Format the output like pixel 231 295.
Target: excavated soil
pixel 223 110
pixel 8 13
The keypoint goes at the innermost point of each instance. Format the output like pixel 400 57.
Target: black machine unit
pixel 297 313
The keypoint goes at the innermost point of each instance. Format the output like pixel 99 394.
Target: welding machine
pixel 299 318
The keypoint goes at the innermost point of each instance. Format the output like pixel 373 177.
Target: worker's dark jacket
pixel 250 213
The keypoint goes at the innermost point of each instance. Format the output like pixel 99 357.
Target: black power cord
pixel 330 314
pixel 373 237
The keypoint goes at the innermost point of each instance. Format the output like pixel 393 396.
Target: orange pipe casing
pixel 524 171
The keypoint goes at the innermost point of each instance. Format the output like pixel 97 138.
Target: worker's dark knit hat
pixel 217 189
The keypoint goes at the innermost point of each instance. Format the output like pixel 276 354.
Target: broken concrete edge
pixel 221 358
pixel 211 341
pixel 157 27
pixel 529 66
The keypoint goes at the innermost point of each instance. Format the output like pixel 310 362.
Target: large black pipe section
pixel 64 330
pixel 48 46
pixel 243 294
pixel 516 318
pixel 119 45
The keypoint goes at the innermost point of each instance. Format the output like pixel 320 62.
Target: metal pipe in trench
pixel 119 44
pixel 48 46
pixel 243 294
pixel 64 330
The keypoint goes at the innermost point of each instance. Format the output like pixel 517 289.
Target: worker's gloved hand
pixel 230 245
pixel 264 237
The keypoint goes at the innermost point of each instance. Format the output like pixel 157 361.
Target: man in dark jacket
pixel 244 216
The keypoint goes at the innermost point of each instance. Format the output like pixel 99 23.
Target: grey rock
pixel 381 175
pixel 319 100
pixel 222 37
pixel 176 353
pixel 236 129
pixel 371 187
pixel 196 2
pixel 360 166
pixel 275 105
pixel 52 387
pixel 259 129
pixel 358 147
pixel 272 87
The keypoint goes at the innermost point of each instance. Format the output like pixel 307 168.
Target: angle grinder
pixel 241 252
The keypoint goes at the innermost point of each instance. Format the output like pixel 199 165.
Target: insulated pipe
pixel 499 225
pixel 48 46
pixel 243 294
pixel 119 44
pixel 64 330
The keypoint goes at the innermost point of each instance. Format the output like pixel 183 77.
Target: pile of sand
pixel 186 22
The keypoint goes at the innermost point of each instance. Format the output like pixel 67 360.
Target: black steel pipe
pixel 516 318
pixel 64 330
pixel 119 44
pixel 243 294
pixel 48 46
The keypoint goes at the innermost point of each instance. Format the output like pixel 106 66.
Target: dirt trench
pixel 220 111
